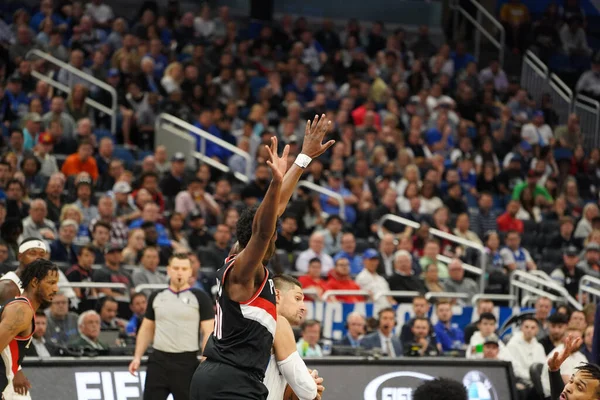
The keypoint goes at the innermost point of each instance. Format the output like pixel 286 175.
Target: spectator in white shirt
pixel 525 350
pixel 487 327
pixel 589 82
pixel 368 279
pixel 495 74
pixel 573 38
pixel 537 132
pixel 101 14
pixel 316 245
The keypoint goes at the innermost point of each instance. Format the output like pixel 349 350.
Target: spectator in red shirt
pixel 507 221
pixel 340 279
pixel 313 278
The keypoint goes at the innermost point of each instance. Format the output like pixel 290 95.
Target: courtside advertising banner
pixel 345 378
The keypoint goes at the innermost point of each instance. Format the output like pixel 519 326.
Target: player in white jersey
pixel 286 365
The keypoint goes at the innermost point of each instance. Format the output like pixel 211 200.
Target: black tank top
pixel 12 355
pixel 244 332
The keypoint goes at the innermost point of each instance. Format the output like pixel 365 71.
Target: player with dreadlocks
pixel 17 316
pixel 584 384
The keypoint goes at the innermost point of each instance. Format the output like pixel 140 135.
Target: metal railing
pixel 466 267
pixel 446 295
pixel 534 76
pixel 589 285
pixel 533 284
pixel 327 192
pixel 333 293
pixel 478 23
pixel 220 166
pixel 588 110
pixel 493 297
pixel 562 98
pixel 447 236
pixel 164 120
pixel 397 293
pixel 112 111
pixel 98 285
pixel 151 286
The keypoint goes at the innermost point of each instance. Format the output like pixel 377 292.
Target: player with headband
pixel 30 249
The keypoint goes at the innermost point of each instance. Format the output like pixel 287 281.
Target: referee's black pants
pixel 169 373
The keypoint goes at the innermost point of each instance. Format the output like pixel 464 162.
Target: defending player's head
pixel 30 250
pixel 243 233
pixel 179 270
pixel 40 281
pixel 440 389
pixel 584 384
pixel 290 298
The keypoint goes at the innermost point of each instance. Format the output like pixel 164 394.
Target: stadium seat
pixel 530 227
pixel 102 133
pixel 551 227
pixel 362 245
pixel 535 373
pixel 554 256
pixel 304 243
pixel 124 155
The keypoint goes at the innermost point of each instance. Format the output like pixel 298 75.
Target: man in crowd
pixel 448 335
pixel 62 323
pixel 525 350
pixel 557 326
pixel 88 325
pixel 383 338
pixel 355 324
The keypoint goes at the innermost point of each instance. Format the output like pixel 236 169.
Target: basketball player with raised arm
pixel 17 315
pixel 238 352
pixel 286 365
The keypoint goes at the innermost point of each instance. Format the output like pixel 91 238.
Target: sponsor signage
pixel 345 378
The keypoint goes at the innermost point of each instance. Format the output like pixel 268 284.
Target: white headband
pixel 32 244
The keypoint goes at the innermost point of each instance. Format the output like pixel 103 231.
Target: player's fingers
pixel 314 123
pixel 286 151
pixel 328 145
pixel 319 380
pixel 307 129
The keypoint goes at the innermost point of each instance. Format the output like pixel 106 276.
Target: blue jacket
pixel 448 337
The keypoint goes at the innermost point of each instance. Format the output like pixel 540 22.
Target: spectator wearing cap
pixel 591 259
pixel 33 123
pixel 84 191
pixel 568 275
pixel 514 256
pixel 195 198
pixel 368 279
pixel 57 112
pixel 62 249
pixel 557 327
pixel 340 279
pixel 331 206
pixel 149 273
pixel 123 206
pixel 112 272
pixel 82 161
pixel 43 151
pixel 36 225
pixel 564 237
pixel 173 181
pixel 457 282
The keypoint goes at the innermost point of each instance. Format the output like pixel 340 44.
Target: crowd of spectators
pixel 423 132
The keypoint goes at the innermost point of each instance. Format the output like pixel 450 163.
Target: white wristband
pixel 302 160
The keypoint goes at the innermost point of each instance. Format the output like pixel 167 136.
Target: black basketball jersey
pixel 12 355
pixel 244 332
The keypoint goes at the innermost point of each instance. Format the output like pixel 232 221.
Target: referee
pixel 173 319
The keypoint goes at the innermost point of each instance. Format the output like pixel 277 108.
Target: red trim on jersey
pixel 14 355
pixel 265 305
pixel 260 289
pixel 231 258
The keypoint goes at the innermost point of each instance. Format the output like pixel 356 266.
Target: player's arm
pixel 16 319
pixel 313 147
pixel 8 290
pixel 144 338
pixel 290 363
pixel 263 228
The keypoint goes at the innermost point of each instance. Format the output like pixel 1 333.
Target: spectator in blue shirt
pixel 302 87
pixel 461 58
pixel 331 206
pixel 467 174
pixel 150 214
pixel 137 305
pixel 348 246
pixel 160 60
pixel 449 335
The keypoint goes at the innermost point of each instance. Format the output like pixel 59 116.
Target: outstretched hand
pixel 314 134
pixel 277 164
pixel 572 344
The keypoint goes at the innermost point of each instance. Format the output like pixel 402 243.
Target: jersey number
pixel 218 322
